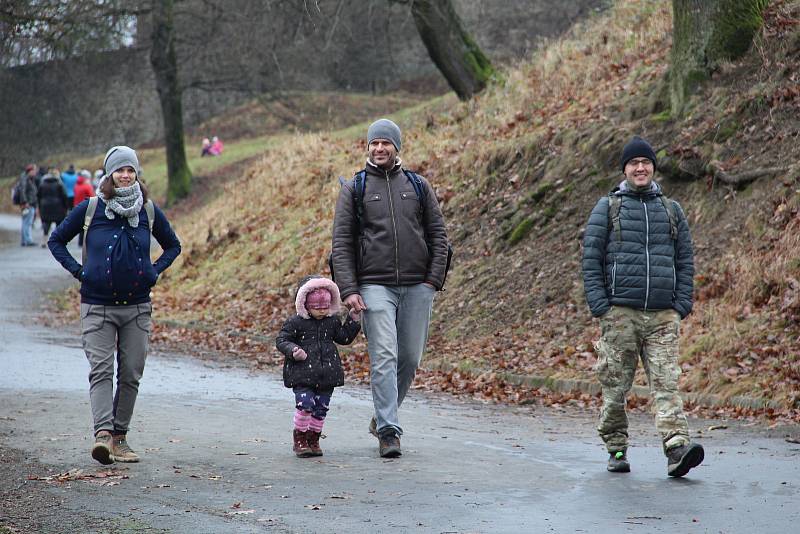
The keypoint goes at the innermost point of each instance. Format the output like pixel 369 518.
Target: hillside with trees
pixel 517 169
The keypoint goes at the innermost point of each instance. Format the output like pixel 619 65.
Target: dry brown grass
pixel 540 145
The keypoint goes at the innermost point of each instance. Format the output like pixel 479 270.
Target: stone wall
pixel 87 104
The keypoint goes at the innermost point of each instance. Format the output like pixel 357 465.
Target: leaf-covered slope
pixel 517 171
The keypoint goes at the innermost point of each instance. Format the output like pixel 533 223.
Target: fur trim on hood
pixel 309 284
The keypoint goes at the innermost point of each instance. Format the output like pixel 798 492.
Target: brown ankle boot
pixel 101 450
pixel 301 448
pixel 313 442
pixel 121 451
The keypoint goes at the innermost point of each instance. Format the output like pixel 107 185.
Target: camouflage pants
pixel 652 336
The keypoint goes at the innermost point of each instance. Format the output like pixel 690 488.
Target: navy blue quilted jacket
pixel 118 269
pixel 643 268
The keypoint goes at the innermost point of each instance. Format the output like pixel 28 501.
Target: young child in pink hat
pixel 312 367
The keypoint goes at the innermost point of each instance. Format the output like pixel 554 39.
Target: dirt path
pixel 215 444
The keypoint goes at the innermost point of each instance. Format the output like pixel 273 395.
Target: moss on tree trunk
pixel 706 32
pixel 165 68
pixel 457 56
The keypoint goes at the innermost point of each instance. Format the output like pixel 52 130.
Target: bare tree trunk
pixel 165 68
pixel 706 32
pixel 456 55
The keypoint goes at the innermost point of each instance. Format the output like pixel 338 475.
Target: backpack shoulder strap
pixel 416 181
pixel 150 209
pixel 419 189
pixel 614 207
pixel 359 186
pixel 669 205
pixel 87 220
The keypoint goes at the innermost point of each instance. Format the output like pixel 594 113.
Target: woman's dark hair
pixel 107 188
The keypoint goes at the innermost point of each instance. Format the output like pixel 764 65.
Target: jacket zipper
pixel 319 351
pixel 646 252
pixel 614 278
pixel 394 227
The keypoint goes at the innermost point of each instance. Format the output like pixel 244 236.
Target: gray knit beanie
pixel 384 129
pixel 118 157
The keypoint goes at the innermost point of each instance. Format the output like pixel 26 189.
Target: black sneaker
pixel 389 444
pixel 681 459
pixel 618 462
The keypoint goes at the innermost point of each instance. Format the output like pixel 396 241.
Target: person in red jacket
pixel 83 190
pixel 83 187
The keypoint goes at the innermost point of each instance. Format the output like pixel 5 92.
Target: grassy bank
pixel 517 170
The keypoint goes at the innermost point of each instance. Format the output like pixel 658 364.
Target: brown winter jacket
pixel 402 242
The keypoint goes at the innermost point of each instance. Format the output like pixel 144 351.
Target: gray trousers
pixel 396 325
pixel 124 332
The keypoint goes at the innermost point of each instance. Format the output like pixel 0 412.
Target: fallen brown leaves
pixel 108 477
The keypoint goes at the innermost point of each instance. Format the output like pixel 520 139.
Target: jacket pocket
pixel 150 275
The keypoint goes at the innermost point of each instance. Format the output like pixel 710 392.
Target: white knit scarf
pixel 126 202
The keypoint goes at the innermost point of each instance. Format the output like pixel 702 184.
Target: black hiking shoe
pixel 618 462
pixel 684 457
pixel 389 444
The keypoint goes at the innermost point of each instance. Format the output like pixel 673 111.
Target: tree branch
pixel 743 178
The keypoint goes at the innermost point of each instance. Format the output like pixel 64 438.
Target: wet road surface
pixel 215 442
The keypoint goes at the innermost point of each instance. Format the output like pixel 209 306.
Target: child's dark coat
pixel 323 367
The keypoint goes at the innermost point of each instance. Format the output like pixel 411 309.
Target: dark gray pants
pixel 124 332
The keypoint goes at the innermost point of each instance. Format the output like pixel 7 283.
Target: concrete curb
pixel 558 385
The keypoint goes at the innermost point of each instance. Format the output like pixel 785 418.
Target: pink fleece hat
pixel 318 299
pixel 312 284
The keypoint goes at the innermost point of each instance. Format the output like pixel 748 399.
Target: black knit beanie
pixel 637 148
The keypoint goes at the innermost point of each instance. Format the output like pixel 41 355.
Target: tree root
pixel 743 178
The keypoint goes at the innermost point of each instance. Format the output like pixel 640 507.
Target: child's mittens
pixel 354 315
pixel 299 354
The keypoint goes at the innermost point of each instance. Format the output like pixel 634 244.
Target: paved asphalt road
pixel 215 442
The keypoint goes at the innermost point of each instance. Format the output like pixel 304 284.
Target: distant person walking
pixel 83 190
pixel 52 203
pixel 69 179
pixel 205 147
pixel 313 367
pixel 389 257
pixel 638 267
pixel 25 197
pixel 116 277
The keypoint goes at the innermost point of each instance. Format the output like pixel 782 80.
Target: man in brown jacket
pixel 389 257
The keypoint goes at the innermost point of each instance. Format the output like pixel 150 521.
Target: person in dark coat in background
pixel 638 269
pixel 116 278
pixel 312 367
pixel 52 203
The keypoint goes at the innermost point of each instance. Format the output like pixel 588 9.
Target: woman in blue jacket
pixel 116 277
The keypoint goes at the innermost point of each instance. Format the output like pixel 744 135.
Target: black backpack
pixel 360 185
pixel 16 193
